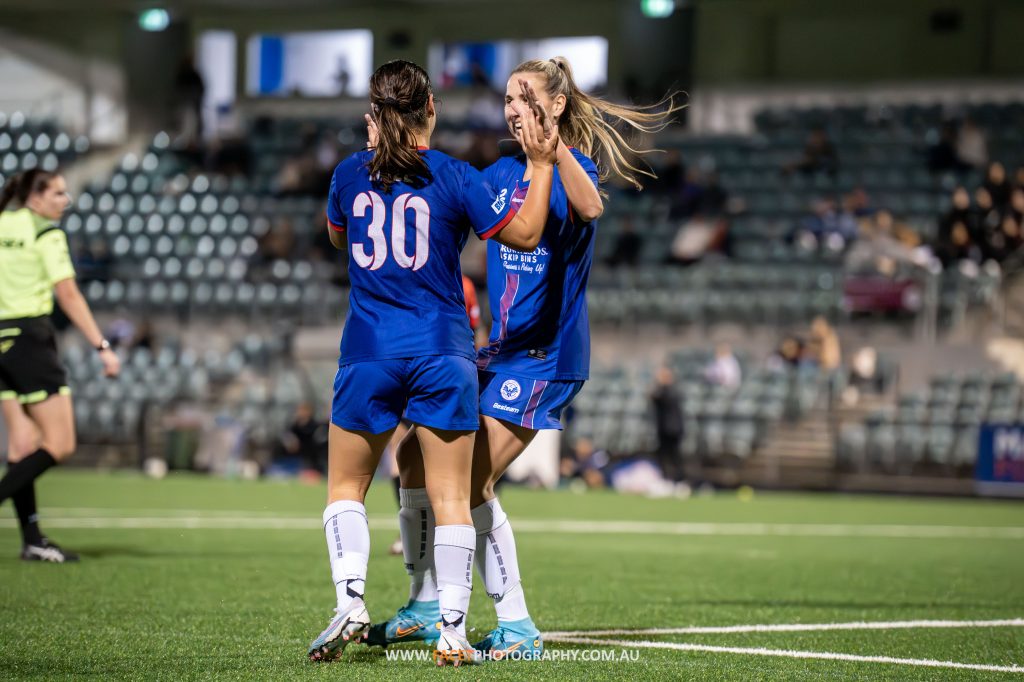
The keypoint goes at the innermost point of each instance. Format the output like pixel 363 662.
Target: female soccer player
pixel 35 266
pixel 406 347
pixel 539 351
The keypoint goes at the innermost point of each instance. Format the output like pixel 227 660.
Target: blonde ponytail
pixel 589 123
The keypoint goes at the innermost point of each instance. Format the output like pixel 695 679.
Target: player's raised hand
pixel 534 102
pixel 371 131
pixel 540 149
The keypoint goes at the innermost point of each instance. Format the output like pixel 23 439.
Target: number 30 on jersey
pixel 375 232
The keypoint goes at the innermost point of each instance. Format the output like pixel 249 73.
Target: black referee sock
pixel 28 515
pixel 24 472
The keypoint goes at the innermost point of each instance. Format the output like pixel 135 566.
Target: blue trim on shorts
pixel 531 403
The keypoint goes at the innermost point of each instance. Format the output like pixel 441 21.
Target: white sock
pixel 497 561
pixel 348 546
pixel 453 559
pixel 416 523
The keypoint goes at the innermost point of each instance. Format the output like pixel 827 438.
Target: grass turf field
pixel 192 577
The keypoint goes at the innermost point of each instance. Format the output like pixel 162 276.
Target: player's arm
pixel 524 231
pixel 579 186
pixel 52 248
pixel 74 305
pixel 336 236
pixel 336 220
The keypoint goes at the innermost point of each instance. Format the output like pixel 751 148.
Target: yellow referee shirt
pixel 33 257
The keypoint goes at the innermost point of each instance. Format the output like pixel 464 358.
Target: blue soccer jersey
pixel 538 300
pixel 406 298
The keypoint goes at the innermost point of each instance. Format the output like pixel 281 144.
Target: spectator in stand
pixel 1017 204
pixel 585 462
pixel 998 185
pixel 942 154
pixel 955 244
pixel 1000 244
pixel 669 425
pixel 303 446
pixel 1018 177
pixel 189 90
pixel 714 197
pixel 959 211
pixel 626 250
pixel 883 243
pixel 819 155
pixel 671 175
pixel 724 370
pixel 827 224
pixel 789 355
pixel 685 199
pixel 987 216
pixel 971 146
pixel 696 238
pixel 859 203
pixel 823 347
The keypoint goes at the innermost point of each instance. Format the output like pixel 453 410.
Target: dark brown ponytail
pixel 22 185
pixel 399 93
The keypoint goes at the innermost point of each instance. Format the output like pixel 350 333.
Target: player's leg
pixel 443 405
pixel 22 440
pixel 394 447
pixel 499 443
pixel 366 410
pixel 513 410
pixel 55 422
pixel 447 461
pixel 53 419
pixel 417 620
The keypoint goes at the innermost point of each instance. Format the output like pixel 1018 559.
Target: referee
pixel 34 267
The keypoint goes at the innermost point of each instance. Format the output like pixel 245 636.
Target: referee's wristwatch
pixel 104 345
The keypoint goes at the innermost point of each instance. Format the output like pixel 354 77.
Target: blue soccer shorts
pixel 437 391
pixel 531 403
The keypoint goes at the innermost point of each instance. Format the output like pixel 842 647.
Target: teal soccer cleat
pixel 344 629
pixel 516 640
pixel 417 621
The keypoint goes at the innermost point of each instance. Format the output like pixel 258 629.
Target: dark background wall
pixel 704 43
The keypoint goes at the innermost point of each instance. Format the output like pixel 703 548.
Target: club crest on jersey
pixel 499 202
pixel 510 390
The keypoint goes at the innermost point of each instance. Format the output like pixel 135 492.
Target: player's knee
pixel 21 444
pixel 60 448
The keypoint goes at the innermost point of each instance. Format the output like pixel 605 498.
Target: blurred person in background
pixel 882 245
pixel 628 245
pixel 954 244
pixel 987 215
pixel 789 355
pixel 669 425
pixel 35 268
pixel 971 145
pixel 303 445
pixel 998 185
pixel 942 154
pixel 819 155
pixel 586 463
pixel 724 370
pixel 823 345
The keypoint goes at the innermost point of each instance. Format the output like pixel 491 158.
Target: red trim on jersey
pixel 500 225
pixel 336 228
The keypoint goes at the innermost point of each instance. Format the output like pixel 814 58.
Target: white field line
pixel 796 627
pixel 260 521
pixel 783 653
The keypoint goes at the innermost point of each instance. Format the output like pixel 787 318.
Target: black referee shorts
pixel 30 370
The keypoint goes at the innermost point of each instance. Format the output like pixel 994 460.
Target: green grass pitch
pixel 170 587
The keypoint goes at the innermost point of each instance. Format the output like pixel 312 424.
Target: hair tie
pixel 391 101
